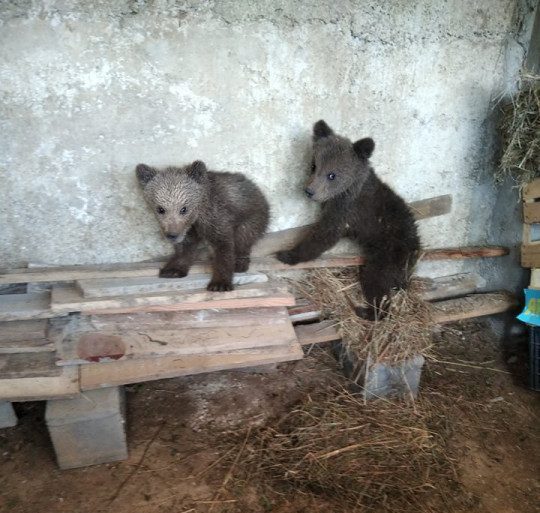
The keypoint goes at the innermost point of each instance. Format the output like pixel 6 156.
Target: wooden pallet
pixel 530 249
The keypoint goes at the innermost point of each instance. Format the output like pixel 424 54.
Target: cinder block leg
pixel 8 418
pixel 88 429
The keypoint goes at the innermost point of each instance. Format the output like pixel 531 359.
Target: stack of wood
pixel 98 326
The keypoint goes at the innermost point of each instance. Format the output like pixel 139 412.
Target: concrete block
pixel 8 418
pixel 88 429
pixel 377 380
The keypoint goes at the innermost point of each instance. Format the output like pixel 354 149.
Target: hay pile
pixel 520 129
pixel 353 455
pixel 404 332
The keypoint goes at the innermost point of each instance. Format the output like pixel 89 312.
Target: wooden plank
pixel 134 371
pixel 27 346
pixel 532 190
pixel 317 333
pixel 449 286
pixel 187 319
pixel 108 287
pixel 16 331
pixel 530 255
pixel 86 347
pixel 149 269
pixel 66 299
pixel 431 207
pixel 24 365
pixel 465 252
pixel 531 212
pixel 275 241
pixel 475 305
pixel 14 307
pixel 303 311
pixel 41 388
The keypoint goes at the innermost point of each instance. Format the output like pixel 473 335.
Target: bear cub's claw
pixel 172 272
pixel 287 257
pixel 219 286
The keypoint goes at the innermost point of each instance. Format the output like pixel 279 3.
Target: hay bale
pixel 520 130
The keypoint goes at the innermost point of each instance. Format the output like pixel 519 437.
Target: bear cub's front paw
pixel 219 286
pixel 173 272
pixel 287 257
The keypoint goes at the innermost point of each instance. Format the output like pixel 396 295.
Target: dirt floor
pixel 180 461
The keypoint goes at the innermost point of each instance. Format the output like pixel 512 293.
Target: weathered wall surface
pixel 89 89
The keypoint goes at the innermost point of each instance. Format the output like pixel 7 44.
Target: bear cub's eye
pixel 331 176
pixel 183 210
pixel 160 210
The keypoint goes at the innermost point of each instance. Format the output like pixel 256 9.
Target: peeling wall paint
pixel 89 89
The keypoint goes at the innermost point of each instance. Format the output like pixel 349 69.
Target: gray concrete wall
pixel 91 88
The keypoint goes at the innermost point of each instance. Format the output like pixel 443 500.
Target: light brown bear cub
pixel 193 204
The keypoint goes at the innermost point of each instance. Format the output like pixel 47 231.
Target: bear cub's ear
pixel 321 129
pixel 145 173
pixel 364 147
pixel 197 170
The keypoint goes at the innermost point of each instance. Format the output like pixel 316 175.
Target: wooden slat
pixel 14 307
pixel 450 286
pixel 532 190
pixel 15 331
pixel 431 207
pixel 531 212
pixel 109 287
pixel 87 347
pixel 465 252
pixel 66 298
pixel 273 242
pixel 134 371
pixel 41 388
pixel 187 319
pixel 28 365
pixel 317 333
pixel 303 311
pixel 530 255
pixel 475 305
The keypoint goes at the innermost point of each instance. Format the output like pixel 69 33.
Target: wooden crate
pixel 530 250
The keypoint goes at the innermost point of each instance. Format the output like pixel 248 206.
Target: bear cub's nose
pixel 309 192
pixel 171 236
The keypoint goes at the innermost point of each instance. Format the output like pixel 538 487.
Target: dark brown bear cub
pixel 193 204
pixel 357 205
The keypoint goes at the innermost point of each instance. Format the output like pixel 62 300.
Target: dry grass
pixel 520 129
pixel 352 455
pixel 404 332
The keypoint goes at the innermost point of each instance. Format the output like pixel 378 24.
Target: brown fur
pixel 357 205
pixel 193 204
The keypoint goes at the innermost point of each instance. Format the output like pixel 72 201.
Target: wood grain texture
pixel 465 252
pixel 151 269
pixel 450 286
pixel 110 287
pixel 80 346
pixel 134 371
pixel 15 307
pixel 15 331
pixel 221 318
pixel 530 255
pixel 475 305
pixel 317 333
pixel 531 212
pixel 67 298
pixel 532 190
pixel 66 384
pixel 28 365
